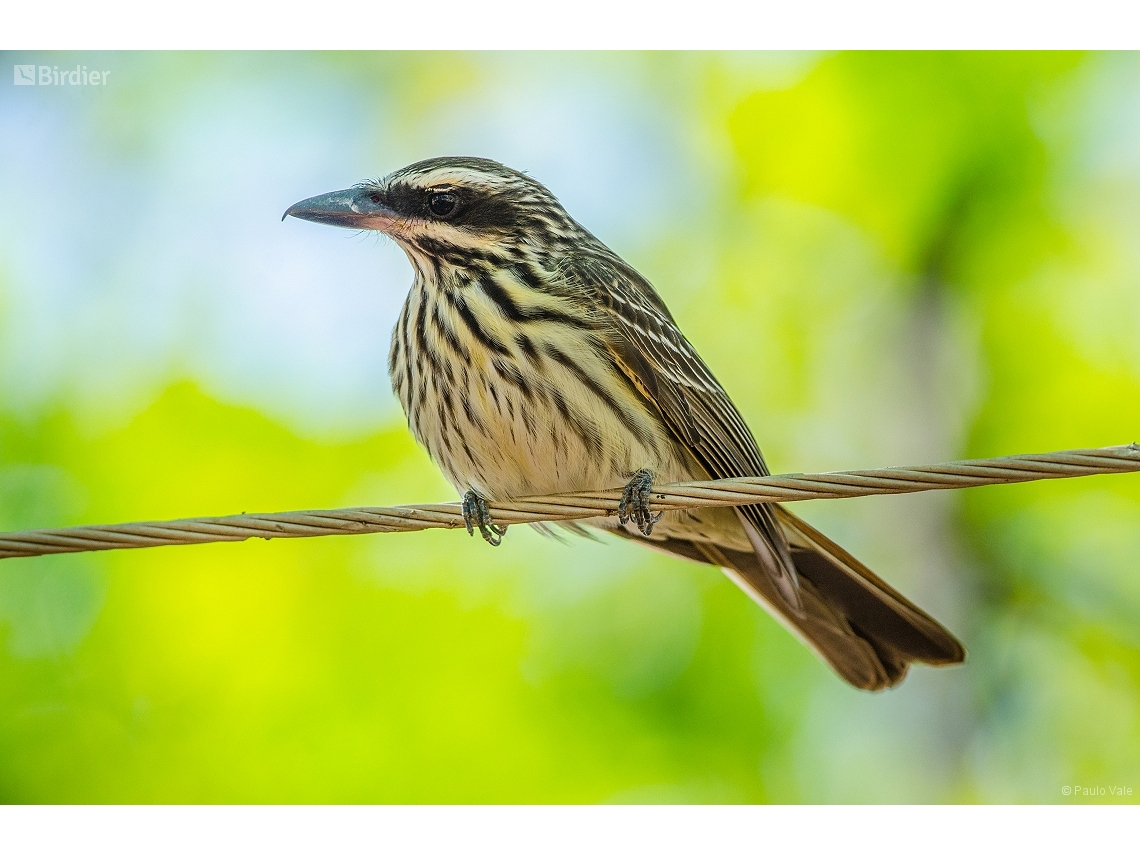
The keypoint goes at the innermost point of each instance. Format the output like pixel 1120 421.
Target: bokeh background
pixel 886 258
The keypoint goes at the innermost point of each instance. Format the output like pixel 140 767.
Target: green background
pixel 886 259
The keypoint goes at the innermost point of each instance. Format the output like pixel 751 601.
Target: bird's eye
pixel 442 204
pixel 374 197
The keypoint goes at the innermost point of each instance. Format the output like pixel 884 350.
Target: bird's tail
pixel 863 628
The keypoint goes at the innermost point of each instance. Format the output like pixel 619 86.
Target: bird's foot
pixel 634 504
pixel 477 515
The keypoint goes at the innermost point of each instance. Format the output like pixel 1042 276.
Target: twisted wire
pixel 577 506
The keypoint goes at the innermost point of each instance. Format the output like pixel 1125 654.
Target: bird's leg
pixel 477 515
pixel 634 504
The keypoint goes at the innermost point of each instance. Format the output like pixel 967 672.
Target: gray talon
pixel 477 515
pixel 634 504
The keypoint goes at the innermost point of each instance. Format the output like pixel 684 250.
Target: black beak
pixel 358 208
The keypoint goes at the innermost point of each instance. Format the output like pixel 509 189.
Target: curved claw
pixel 477 515
pixel 634 504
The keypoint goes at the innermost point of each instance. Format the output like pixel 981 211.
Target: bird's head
pixel 446 205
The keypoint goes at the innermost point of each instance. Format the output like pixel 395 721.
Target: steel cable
pixel 578 506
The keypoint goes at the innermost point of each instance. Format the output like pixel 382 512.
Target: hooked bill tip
pixel 292 209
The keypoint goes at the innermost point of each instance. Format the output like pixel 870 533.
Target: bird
pixel 530 359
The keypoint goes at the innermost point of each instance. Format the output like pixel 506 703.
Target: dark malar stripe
pixel 435 250
pixel 456 256
pixel 436 269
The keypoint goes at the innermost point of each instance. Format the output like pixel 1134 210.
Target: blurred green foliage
pixel 891 258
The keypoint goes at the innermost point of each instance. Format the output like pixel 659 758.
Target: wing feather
pixel 649 347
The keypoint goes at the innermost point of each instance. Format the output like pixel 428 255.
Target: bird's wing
pixel 649 348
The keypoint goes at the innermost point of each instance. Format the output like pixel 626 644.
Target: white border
pixel 584 24
pixel 724 830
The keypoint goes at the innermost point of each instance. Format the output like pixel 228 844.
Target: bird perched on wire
pixel 530 359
